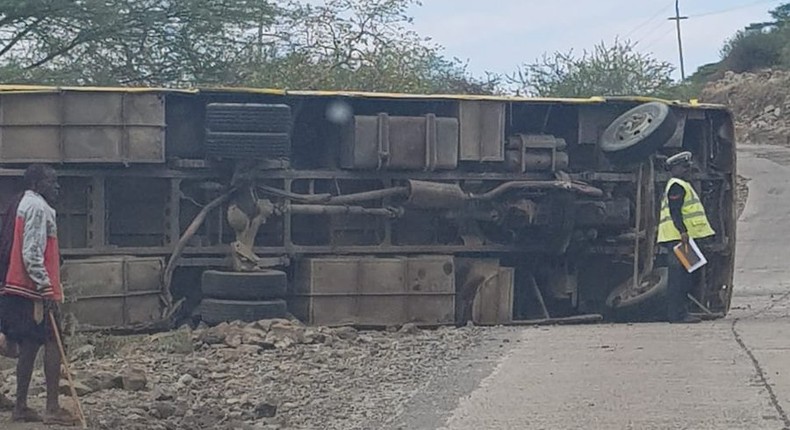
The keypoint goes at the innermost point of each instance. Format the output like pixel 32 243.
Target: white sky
pixel 498 35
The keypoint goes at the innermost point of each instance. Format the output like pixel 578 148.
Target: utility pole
pixel 677 18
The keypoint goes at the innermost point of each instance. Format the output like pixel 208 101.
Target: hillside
pixel 760 102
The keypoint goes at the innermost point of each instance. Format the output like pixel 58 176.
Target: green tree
pixel 607 70
pixel 339 44
pixel 370 45
pixel 752 49
pixel 127 41
pixel 760 45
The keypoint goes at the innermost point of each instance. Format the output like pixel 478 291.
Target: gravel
pixel 264 375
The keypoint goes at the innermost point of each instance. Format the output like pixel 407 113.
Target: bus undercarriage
pixel 366 209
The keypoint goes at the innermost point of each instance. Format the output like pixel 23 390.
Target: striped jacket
pixel 34 265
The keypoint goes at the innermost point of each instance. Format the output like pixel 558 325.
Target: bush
pixel 752 50
pixel 619 69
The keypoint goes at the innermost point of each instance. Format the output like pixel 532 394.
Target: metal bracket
pixel 246 226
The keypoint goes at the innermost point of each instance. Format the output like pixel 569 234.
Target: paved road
pixel 728 374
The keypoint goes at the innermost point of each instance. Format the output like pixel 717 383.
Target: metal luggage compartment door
pixel 82 127
pixel 113 291
pixel 369 291
pixel 482 132
pixel 400 143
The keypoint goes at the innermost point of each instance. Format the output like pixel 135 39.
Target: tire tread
pixel 216 311
pixel 264 285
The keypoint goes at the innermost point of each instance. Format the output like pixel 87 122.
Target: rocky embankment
pixel 760 103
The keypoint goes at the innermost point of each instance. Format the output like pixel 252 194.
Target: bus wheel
pixel 638 133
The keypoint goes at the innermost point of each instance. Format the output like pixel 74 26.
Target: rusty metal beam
pixel 304 249
pixel 344 210
pixel 326 249
pixel 577 319
pixel 369 195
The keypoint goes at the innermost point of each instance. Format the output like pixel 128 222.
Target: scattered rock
pixel 162 394
pixel 346 333
pixel 134 380
pixel 177 342
pixel 265 410
pixel 98 381
pixel 313 336
pixel 162 410
pixel 233 340
pixel 81 389
pixel 211 337
pixel 328 378
pixel 84 352
pixel 186 380
pixel 409 328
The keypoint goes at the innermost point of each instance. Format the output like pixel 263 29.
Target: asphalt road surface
pixel 732 373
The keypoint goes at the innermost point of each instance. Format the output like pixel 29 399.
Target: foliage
pixel 127 41
pixel 339 44
pixel 608 70
pixel 760 45
pixel 692 87
pixel 752 50
pixel 362 45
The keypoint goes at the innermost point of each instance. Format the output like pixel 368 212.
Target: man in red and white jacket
pixel 32 290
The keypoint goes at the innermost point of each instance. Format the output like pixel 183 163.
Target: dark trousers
pixel 678 286
pixel 18 324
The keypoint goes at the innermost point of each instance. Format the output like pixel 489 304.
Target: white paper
pixel 695 249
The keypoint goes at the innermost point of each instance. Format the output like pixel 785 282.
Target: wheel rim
pixel 635 125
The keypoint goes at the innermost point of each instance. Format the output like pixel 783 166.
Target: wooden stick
pixel 65 362
pixel 699 305
pixel 534 284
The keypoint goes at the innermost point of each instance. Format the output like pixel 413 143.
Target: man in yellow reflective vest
pixel 682 217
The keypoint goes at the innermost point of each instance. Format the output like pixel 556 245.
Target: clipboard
pixel 691 258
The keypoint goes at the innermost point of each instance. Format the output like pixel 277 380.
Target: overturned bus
pixel 364 208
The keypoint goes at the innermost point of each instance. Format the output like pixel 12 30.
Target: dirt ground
pixel 258 376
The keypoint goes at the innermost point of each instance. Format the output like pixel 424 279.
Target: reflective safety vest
pixel 693 212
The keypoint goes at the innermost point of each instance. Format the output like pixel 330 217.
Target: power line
pixel 651 31
pixel 658 39
pixel 746 6
pixel 677 18
pixel 648 21
pixel 705 14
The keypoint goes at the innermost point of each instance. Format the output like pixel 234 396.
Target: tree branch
pixel 16 39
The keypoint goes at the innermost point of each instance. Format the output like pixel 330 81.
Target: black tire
pixel 638 133
pixel 248 117
pixel 649 306
pixel 215 311
pixel 248 145
pixel 263 285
